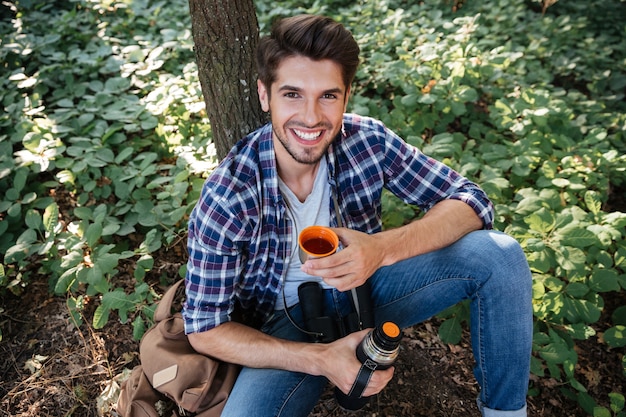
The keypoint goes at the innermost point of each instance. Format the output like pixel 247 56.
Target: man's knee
pixel 497 246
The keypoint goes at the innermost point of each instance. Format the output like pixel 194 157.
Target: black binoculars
pixel 324 328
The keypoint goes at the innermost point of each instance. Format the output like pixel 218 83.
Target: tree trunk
pixel 226 35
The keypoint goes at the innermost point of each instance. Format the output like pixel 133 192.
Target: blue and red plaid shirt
pixel 240 237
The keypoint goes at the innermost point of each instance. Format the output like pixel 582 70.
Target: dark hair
pixel 314 37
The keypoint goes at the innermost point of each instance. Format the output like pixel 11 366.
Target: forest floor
pixel 51 368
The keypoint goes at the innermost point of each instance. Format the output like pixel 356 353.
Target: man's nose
pixel 312 113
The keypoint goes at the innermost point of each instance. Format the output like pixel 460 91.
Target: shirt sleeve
pixel 213 264
pixel 421 180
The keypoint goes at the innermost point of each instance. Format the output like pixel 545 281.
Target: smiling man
pixel 314 164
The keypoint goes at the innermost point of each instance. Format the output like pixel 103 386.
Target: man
pixel 313 164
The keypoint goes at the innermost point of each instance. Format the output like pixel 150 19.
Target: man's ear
pixel 263 96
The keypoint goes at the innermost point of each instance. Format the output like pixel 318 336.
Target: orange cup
pixel 317 242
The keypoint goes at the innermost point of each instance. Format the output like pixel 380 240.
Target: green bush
pixel 102 138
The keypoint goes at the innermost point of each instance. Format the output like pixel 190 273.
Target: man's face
pixel 306 105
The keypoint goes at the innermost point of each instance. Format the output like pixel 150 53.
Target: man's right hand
pixel 341 365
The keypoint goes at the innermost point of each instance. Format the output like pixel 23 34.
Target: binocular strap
pixel 363 378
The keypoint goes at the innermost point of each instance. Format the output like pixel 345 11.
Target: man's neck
pixel 300 178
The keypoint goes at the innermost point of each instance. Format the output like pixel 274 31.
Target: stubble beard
pixel 303 156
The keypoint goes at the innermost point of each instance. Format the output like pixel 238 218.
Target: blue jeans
pixel 487 267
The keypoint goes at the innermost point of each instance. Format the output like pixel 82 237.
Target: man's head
pixel 315 37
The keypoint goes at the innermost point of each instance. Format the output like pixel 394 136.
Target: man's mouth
pixel 309 136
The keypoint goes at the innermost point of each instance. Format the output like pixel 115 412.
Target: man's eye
pixel 291 95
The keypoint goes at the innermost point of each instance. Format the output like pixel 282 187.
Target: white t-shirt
pixel 313 211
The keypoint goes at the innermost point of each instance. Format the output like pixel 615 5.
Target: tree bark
pixel 226 35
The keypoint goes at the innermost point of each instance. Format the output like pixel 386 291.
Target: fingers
pixel 376 384
pixel 343 279
pixel 342 276
pixel 379 380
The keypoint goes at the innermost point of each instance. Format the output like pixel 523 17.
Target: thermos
pixel 378 350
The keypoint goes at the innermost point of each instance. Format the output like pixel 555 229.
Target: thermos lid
pixel 391 329
pixel 387 336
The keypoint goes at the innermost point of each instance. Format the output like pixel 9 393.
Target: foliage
pixel 93 166
pixel 104 145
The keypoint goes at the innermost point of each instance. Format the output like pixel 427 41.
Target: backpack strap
pixel 164 307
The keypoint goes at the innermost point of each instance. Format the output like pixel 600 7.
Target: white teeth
pixel 307 136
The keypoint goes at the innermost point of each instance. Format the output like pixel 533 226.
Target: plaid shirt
pixel 240 237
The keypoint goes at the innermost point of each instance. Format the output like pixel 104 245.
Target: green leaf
pixel 139 328
pixel 601 412
pixel 177 215
pixel 116 84
pixel 110 229
pixel 118 300
pixel 538 290
pixel 577 385
pixel 146 262
pixel 467 94
pixel 542 221
pixel 603 280
pixel 615 336
pixel 124 155
pixel 571 259
pixel 93 234
pixel 555 353
pixel 29 198
pixel 19 180
pixel 576 289
pixel 586 402
pixel 617 401
pixel 576 310
pixel 577 236
pixel 33 219
pixel 580 331
pixel 620 257
pixel 14 210
pixel 51 217
pixel 96 279
pixel 19 251
pixel 11 194
pixel 536 366
pixel 101 316
pixel 541 261
pixel 83 213
pixel 106 261
pixel 561 182
pixel 619 315
pixel 450 331
pixel 593 202
pixel 74 305
pixel 66 280
pixel 106 155
pixel 605 235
